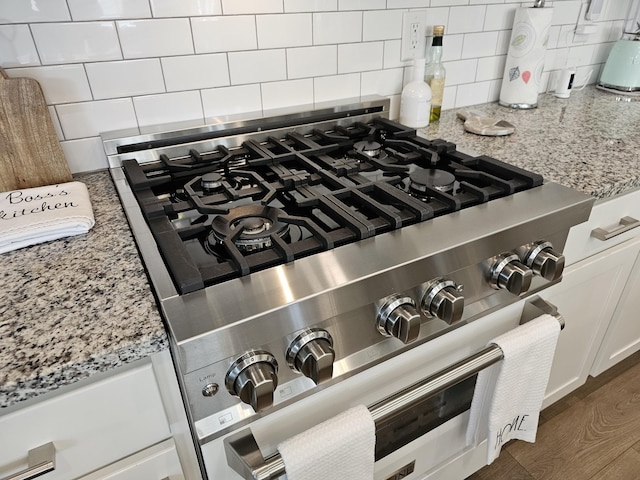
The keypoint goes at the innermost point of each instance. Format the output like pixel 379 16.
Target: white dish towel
pixel 341 448
pixel 508 395
pixel 36 215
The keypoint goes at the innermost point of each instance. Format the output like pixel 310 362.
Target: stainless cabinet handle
pixel 243 453
pixel 626 224
pixel 40 460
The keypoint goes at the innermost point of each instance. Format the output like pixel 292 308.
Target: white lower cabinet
pixel 587 297
pixel 622 337
pixel 119 427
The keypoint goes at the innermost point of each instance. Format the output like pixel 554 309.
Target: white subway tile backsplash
pixel 382 82
pixel 56 122
pixel 286 30
pixel 336 87
pixel 449 97
pixel 360 57
pixel 451 47
pixel 224 34
pixel 85 155
pixel 361 4
pixel 479 44
pixel 504 38
pixel 21 11
pixel 391 54
pixel 437 16
pixel 381 25
pixel 231 100
pixel 76 42
pixel 155 38
pixel 168 108
pixel 310 5
pixel 16 47
pixel 257 66
pixel 337 27
pixel 239 7
pixel 448 3
pixel 60 83
pixel 472 93
pixel 490 68
pixel 461 71
pixel 407 3
pixel 287 94
pixel 89 119
pixel 194 72
pixel 312 61
pixel 185 8
pixel 466 19
pixel 579 56
pixel 83 10
pixel 566 12
pixel 125 78
pixel 615 9
pixel 499 17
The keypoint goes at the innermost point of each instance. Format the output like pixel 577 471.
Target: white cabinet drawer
pixel 90 427
pixel 159 462
pixel 606 215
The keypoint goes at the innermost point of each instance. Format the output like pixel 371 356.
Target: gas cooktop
pixel 230 211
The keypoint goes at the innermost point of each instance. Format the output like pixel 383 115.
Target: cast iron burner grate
pixel 292 196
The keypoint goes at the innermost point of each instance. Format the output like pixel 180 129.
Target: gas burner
pixel 370 148
pixel 423 179
pixel 257 222
pixel 211 181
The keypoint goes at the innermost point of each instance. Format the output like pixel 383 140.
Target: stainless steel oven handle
pixel 626 224
pixel 243 453
pixel 40 460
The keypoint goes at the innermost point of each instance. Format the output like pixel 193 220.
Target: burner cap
pixel 211 181
pixel 368 147
pixel 433 178
pixel 257 222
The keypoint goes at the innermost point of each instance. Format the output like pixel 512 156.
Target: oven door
pixel 424 437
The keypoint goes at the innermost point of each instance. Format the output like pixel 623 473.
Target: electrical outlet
pixel 414 32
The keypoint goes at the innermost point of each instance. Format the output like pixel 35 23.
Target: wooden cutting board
pixel 30 152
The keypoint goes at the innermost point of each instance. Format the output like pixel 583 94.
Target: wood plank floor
pixel 592 434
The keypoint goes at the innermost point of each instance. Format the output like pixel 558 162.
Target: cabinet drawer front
pixel 90 427
pixel 158 462
pixel 609 219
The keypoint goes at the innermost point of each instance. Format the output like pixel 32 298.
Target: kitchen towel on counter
pixel 341 448
pixel 525 57
pixel 36 215
pixel 508 395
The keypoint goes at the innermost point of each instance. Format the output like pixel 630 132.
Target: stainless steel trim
pixel 40 460
pixel 518 106
pixel 243 453
pixel 626 224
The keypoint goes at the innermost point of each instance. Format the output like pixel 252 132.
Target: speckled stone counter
pixel 590 141
pixel 75 307
pixel 80 306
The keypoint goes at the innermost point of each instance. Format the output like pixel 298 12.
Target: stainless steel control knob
pixel 507 272
pixel 252 377
pixel 311 353
pixel 543 260
pixel 398 317
pixel 442 299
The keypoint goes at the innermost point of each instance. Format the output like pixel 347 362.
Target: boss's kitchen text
pixel 33 204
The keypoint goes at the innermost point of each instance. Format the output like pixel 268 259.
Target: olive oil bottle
pixel 435 73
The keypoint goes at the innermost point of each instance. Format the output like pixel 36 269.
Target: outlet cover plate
pixel 414 33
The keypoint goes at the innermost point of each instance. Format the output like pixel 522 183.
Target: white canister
pixel 415 101
pixel 565 83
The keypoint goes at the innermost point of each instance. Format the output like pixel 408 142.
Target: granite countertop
pixel 589 141
pixel 76 307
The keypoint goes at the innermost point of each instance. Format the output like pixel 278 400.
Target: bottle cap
pixel 438 30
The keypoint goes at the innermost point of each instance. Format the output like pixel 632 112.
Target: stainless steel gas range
pixel 305 263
